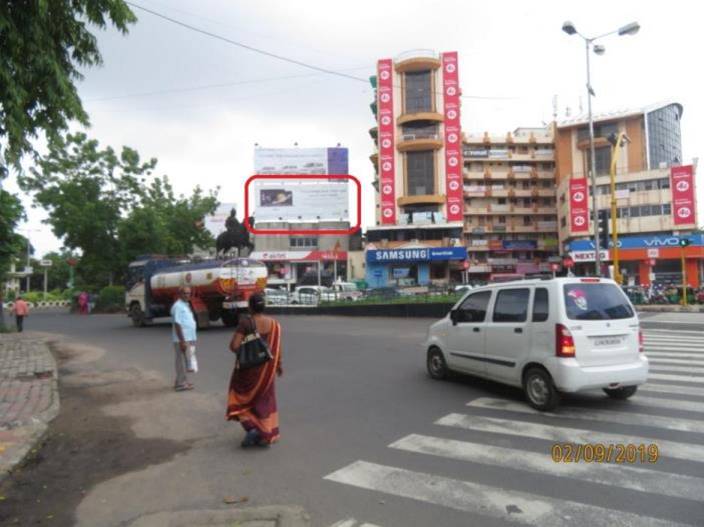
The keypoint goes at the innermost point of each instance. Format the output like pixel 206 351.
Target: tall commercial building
pixel 656 198
pixel 418 236
pixel 510 210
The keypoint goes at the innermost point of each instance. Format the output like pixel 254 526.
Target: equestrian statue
pixel 235 235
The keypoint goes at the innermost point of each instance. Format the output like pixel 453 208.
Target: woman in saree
pixel 252 396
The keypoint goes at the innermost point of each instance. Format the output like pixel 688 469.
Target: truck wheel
pixel 230 318
pixel 540 390
pixel 622 393
pixel 137 315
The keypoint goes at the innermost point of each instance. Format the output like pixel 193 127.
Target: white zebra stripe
pixel 351 522
pixel 676 349
pixel 658 360
pixel 673 389
pixel 670 404
pixel 696 379
pixel 604 416
pixel 658 366
pixel 674 355
pixel 687 332
pixel 508 505
pixel 623 476
pixel 567 434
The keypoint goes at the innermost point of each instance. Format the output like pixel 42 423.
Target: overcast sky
pixel 513 51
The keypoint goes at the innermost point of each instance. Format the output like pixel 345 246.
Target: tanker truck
pixel 221 288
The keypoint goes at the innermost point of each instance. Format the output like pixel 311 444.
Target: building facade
pixel 510 225
pixel 656 194
pixel 417 239
pixel 300 251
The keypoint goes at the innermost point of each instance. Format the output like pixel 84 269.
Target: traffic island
pixel 29 396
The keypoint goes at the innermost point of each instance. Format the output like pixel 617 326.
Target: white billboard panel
pixel 291 161
pixel 215 223
pixel 286 200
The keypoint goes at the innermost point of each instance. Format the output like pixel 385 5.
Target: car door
pixel 465 338
pixel 507 335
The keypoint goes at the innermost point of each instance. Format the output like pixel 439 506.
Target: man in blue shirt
pixel 183 336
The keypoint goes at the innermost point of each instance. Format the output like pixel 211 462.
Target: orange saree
pixel 252 396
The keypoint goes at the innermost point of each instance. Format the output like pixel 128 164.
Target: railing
pixel 416 53
pixel 413 137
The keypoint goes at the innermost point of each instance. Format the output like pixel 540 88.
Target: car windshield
pixel 587 301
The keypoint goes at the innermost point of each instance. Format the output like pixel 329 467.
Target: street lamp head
pixel 599 49
pixel 568 27
pixel 629 29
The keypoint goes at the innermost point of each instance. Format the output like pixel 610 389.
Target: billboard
pixel 301 200
pixel 453 135
pixel 579 208
pixel 301 161
pixel 387 170
pixel 682 184
pixel 215 223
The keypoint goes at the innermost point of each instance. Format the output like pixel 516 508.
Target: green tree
pixel 43 43
pixel 86 191
pixel 166 224
pixel 11 243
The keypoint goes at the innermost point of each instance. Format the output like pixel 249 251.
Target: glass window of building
pixel 418 92
pixel 420 173
pixel 603 159
pixel 420 130
pixel 664 137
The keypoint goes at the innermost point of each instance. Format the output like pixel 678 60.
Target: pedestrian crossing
pixel 502 433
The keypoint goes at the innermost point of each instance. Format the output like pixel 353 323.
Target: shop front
pixel 413 266
pixel 646 260
pixel 288 268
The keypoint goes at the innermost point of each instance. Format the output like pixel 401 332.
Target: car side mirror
pixel 454 316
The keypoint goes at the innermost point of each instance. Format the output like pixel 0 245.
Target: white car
pixel 309 294
pixel 275 297
pixel 545 336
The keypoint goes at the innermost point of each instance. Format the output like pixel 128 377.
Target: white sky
pixel 512 49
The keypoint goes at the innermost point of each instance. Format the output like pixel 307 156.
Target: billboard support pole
pixel 320 263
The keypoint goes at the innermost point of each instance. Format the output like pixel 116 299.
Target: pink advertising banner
pixel 453 137
pixel 683 206
pixel 579 207
pixel 387 168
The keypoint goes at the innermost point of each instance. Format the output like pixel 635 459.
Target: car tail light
pixel 641 341
pixel 564 343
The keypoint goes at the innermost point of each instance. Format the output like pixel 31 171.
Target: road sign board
pixel 465 264
pixel 554 267
pixel 45 263
pixel 568 262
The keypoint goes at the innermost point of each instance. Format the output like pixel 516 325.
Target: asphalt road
pixel 465 452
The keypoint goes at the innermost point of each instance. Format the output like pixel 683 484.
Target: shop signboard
pixel 301 161
pixel 520 245
pixel 657 241
pixel 588 256
pixel 579 209
pixel 682 184
pixel 387 170
pixel 453 137
pixel 401 272
pixel 425 254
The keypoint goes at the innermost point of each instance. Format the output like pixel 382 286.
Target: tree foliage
pixel 11 243
pixel 43 43
pixel 110 208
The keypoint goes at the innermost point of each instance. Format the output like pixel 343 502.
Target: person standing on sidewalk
pixel 21 310
pixel 183 336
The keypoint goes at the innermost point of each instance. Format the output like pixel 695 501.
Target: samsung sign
pixel 640 242
pixel 416 255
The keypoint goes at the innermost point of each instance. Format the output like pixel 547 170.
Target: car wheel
pixel 621 393
pixel 540 390
pixel 437 367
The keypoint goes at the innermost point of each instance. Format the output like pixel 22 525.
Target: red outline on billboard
pixel 302 231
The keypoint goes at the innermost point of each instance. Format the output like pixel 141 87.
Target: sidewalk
pixel 29 397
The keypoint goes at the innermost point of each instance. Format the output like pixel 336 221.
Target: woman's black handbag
pixel 254 350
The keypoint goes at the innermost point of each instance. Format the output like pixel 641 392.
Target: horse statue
pixel 235 235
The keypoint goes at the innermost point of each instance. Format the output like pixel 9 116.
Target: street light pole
pixel 592 170
pixel 569 28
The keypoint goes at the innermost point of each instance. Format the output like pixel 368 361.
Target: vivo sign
pixel 640 242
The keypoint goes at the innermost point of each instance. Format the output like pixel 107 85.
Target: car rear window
pixel 596 302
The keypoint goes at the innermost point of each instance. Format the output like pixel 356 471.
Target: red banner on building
pixel 683 206
pixel 453 137
pixel 579 206
pixel 387 169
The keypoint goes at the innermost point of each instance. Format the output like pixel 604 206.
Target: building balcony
pixel 502 261
pixel 543 193
pixel 417 60
pixel 479 268
pixel 546 211
pixel 419 116
pixel 413 142
pixel 498 209
pixel 425 199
